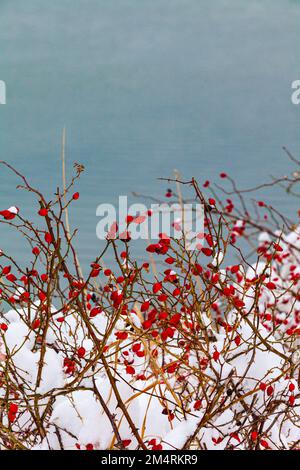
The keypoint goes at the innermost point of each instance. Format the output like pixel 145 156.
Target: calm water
pixel 144 87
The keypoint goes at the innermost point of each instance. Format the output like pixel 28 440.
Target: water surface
pixel 144 87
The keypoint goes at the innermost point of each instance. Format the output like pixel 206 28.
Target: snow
pixel 77 417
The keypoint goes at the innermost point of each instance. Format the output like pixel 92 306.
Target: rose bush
pixel 185 350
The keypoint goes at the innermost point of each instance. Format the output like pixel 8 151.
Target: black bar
pixel 134 459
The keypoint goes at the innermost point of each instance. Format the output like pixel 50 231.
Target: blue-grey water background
pixel 144 87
